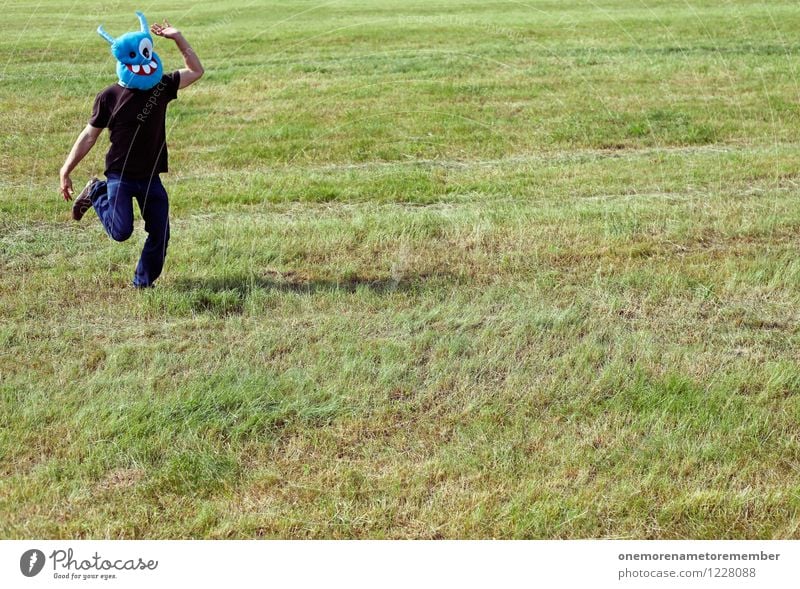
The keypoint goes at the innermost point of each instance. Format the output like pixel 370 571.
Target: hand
pixel 166 30
pixel 66 186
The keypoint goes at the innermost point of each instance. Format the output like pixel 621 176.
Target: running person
pixel 134 112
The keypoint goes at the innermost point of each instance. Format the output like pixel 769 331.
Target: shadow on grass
pixel 227 294
pixel 247 284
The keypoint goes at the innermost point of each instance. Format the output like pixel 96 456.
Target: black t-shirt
pixel 136 124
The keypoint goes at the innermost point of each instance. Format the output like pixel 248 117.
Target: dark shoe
pixel 83 202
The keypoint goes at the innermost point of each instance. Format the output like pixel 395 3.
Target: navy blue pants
pixel 113 202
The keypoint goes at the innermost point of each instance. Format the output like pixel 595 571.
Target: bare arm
pixel 83 144
pixel 194 69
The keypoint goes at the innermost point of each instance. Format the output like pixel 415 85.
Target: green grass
pixel 453 269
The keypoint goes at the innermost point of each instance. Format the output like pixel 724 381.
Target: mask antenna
pixel 142 22
pixel 102 32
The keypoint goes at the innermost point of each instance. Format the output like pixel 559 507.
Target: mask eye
pixel 146 48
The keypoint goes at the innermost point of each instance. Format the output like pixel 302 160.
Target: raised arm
pixel 194 69
pixel 83 144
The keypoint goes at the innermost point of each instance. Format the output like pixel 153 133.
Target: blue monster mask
pixel 138 67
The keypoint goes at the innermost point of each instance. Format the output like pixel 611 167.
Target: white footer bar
pixel 371 564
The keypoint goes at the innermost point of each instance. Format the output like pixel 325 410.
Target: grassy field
pixel 449 269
